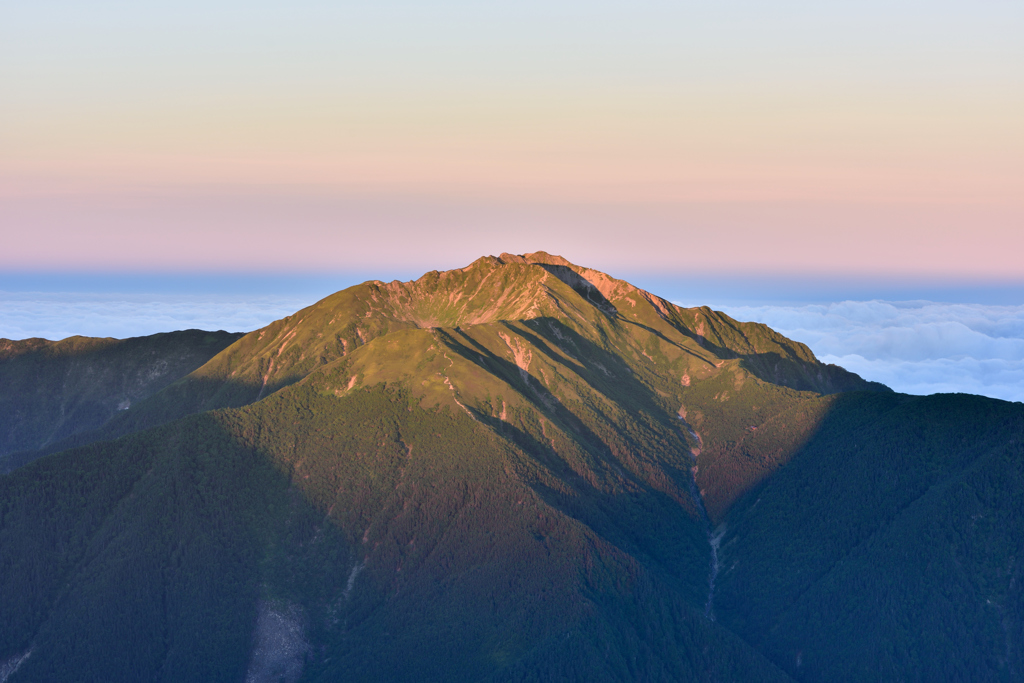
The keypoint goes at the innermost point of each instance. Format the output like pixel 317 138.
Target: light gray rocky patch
pixel 280 645
pixel 159 369
pixel 355 571
pixel 11 664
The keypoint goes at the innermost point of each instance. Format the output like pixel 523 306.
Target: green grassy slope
pixel 53 390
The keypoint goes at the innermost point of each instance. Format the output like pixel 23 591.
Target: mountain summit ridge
pixel 491 289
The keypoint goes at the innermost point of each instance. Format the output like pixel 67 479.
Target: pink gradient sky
pixel 885 140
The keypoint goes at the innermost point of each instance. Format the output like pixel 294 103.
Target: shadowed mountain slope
pixel 903 550
pixel 54 390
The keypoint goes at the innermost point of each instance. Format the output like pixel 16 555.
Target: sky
pixel 872 138
pixel 770 154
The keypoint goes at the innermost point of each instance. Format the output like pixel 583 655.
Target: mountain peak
pixel 502 290
pixel 535 324
pixel 538 257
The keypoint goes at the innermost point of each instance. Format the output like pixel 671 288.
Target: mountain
pixel 55 390
pixel 520 470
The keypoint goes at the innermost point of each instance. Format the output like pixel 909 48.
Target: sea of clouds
pixel 56 315
pixel 915 347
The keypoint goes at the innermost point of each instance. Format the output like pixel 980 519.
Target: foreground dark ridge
pixel 488 474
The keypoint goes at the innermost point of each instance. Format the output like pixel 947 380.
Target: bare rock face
pixel 280 646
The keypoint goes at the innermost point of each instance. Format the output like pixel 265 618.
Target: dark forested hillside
pixel 523 470
pixel 50 391
pixel 891 547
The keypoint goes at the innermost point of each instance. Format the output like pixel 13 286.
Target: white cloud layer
pixel 916 347
pixel 56 315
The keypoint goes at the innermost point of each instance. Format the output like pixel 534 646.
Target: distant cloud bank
pixel 916 347
pixel 56 315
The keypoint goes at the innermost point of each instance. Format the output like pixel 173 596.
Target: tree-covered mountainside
pixel 521 470
pixel 50 391
pixel 902 556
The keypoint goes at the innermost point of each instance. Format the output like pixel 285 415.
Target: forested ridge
pixel 512 472
pixel 54 391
